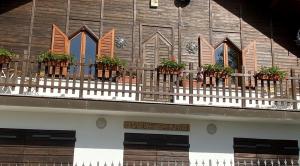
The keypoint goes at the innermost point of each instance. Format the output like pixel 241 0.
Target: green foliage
pixel 6 53
pixel 60 57
pixel 228 70
pixel 171 64
pixel 271 72
pixel 111 61
pixel 216 68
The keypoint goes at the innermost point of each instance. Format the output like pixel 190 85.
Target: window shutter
pixel 60 41
pixel 206 52
pixel 249 57
pixel 106 44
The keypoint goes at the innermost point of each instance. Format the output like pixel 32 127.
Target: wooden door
pixel 155 50
pixel 34 147
pixel 155 149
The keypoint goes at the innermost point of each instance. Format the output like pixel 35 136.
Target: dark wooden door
pixel 155 149
pixel 36 147
pixel 266 150
pixel 155 50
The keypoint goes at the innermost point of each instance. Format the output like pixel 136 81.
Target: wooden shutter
pixel 206 52
pixel 60 41
pixel 106 44
pixel 249 57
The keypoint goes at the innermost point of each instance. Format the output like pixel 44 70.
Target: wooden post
pixel 81 68
pixel 191 83
pixel 293 84
pixel 138 77
pixel 243 88
pixel 24 67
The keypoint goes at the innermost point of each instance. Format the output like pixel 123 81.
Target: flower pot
pixel 166 70
pixel 57 67
pixel 126 80
pixel 186 83
pixel 4 59
pixel 107 68
pixel 262 77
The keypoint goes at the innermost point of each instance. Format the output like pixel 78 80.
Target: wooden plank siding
pixel 241 21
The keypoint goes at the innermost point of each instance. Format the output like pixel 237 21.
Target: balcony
pixel 22 77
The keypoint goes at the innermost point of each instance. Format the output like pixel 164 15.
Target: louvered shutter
pixel 106 44
pixel 60 41
pixel 249 57
pixel 60 44
pixel 206 52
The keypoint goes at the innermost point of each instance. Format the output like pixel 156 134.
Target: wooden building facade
pixel 171 28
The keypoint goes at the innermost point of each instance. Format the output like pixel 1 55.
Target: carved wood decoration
pixel 206 52
pixel 106 44
pixel 156 126
pixel 249 57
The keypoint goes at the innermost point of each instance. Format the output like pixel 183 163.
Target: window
pixel 227 54
pixel 84 48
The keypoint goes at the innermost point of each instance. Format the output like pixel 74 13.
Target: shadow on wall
pixel 284 16
pixel 7 5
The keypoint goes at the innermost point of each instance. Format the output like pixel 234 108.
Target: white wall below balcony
pixel 106 145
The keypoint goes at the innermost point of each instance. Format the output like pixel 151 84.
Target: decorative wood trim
pixel 156 126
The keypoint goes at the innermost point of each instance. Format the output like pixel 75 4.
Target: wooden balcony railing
pixel 146 84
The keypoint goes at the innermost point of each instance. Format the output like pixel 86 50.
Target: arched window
pixel 227 54
pixel 83 45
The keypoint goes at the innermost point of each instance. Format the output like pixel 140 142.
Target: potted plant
pixel 56 61
pixel 217 70
pixel 5 56
pixel 270 73
pixel 209 70
pixel 226 71
pixel 170 66
pixel 106 63
pixel 126 77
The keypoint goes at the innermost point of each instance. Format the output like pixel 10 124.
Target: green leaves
pixel 216 68
pixel 171 64
pixel 111 61
pixel 272 72
pixel 50 56
pixel 6 53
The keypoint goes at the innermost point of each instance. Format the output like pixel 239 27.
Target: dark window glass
pixel 219 55
pixel 75 49
pixel 90 54
pixel 233 58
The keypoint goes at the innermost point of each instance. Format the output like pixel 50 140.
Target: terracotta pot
pixel 127 79
pixel 57 63
pixel 186 83
pixel 165 70
pixel 262 77
pixel 4 60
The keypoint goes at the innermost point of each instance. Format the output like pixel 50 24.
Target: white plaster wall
pixel 106 145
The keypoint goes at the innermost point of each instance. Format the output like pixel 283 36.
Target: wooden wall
pixel 26 24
